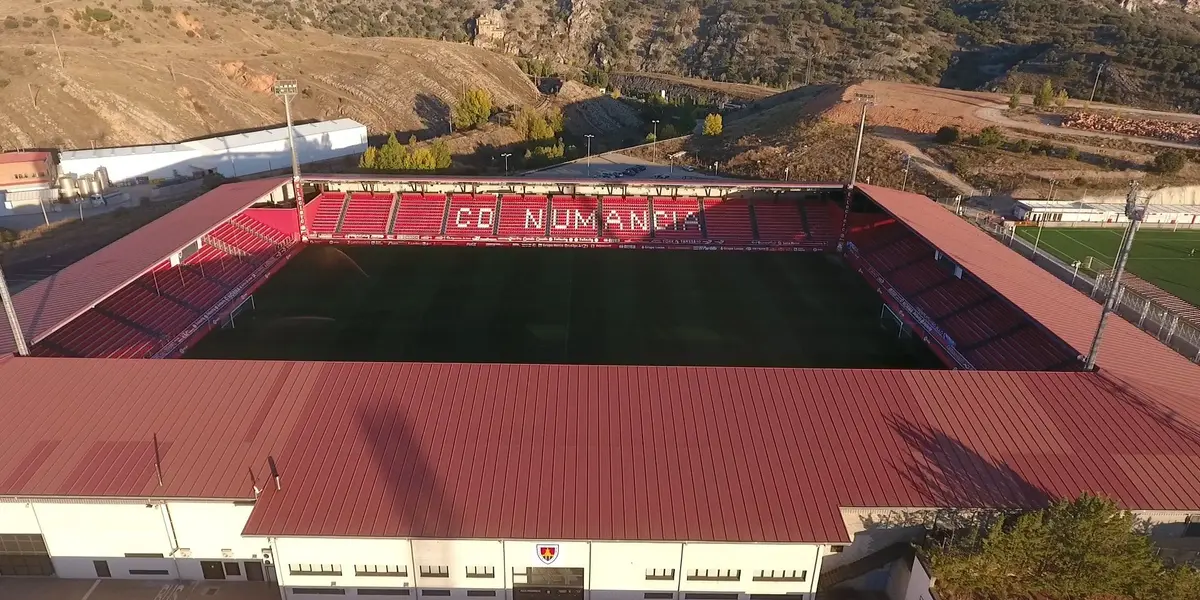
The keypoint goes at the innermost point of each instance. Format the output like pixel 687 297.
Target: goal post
pixel 891 322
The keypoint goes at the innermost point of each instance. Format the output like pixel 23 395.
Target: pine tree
pixel 713 124
pixel 389 156
pixel 1014 101
pixel 473 110
pixel 540 130
pixel 1061 99
pixel 1045 96
pixel 367 161
pixel 441 155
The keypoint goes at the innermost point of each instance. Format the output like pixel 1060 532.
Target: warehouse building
pixel 233 155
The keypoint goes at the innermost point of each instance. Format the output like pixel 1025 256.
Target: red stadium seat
pixel 367 213
pixel 728 221
pixel 676 218
pixel 326 209
pixel 573 218
pixel 471 216
pixel 420 215
pixel 522 217
pixel 779 221
pixel 625 218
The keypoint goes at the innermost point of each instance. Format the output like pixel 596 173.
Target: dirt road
pixel 911 144
pixel 995 114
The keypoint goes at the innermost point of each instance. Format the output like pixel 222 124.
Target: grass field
pixel 1159 256
pixel 564 306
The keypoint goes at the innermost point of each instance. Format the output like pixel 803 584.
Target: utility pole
pixel 1099 70
pixel 655 122
pixel 1135 214
pixel 287 89
pixel 13 323
pixel 907 164
pixel 61 64
pixel 506 155
pixel 589 153
pixel 866 100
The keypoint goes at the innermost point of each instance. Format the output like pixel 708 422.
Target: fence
pixel 1167 326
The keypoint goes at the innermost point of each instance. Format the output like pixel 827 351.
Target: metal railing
pixel 1167 326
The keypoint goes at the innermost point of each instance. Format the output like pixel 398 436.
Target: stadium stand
pixel 987 329
pixel 471 216
pixel 326 210
pixel 420 215
pixel 626 218
pixel 779 221
pixel 367 213
pixel 728 220
pixel 522 217
pixel 573 217
pixel 676 218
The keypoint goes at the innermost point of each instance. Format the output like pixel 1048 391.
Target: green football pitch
pixel 567 306
pixel 1160 256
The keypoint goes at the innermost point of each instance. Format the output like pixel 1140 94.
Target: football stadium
pixel 361 385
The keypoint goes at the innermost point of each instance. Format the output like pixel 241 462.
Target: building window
pixel 660 574
pixel 770 596
pixel 383 591
pixel 233 568
pixel 709 596
pixel 381 570
pixel 1191 526
pixel 481 572
pixel 481 593
pixel 658 595
pixel 837 549
pixel 434 571
pixel 312 569
pixel 435 592
pixel 149 572
pixel 143 555
pixel 715 575
pixel 781 575
pixel 330 591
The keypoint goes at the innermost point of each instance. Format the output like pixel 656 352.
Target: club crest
pixel 547 553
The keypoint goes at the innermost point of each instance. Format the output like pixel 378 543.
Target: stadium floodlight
pixel 1135 214
pixel 589 153
pixel 13 323
pixel 506 155
pixel 288 89
pixel 866 100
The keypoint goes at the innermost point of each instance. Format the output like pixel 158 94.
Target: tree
pixel 1014 101
pixel 1082 548
pixel 368 158
pixel 1024 146
pixel 1169 162
pixel 667 132
pixel 615 93
pixel 990 137
pixel 554 118
pixel 947 135
pixel 1044 96
pixel 539 129
pixel 441 155
pixel 1060 100
pixel 1072 153
pixel 391 155
pixel 473 110
pixel 650 138
pixel 595 77
pixel 713 124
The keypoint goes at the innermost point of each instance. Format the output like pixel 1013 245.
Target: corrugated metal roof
pixel 583 452
pixel 20 157
pixel 51 302
pixel 1127 353
pixel 220 143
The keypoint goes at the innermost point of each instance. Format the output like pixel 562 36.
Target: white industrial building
pixel 1101 213
pixel 230 155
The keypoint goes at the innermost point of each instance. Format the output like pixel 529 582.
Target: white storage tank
pixel 102 179
pixel 87 185
pixel 67 187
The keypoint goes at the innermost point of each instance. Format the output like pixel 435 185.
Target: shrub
pixel 713 124
pixel 100 15
pixel 1024 146
pixel 1072 153
pixel 947 135
pixel 1060 100
pixel 48 9
pixel 1045 95
pixel 473 110
pixel 990 137
pixel 11 23
pixel 30 52
pixel 147 5
pixel 667 132
pixel 1014 101
pixel 1169 162
pixel 650 138
pixel 615 93
pixel 8 236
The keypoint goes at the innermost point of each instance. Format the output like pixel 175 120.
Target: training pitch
pixel 1160 256
pixel 567 306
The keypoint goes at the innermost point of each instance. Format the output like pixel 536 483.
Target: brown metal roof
pixel 48 304
pixel 1127 353
pixel 583 452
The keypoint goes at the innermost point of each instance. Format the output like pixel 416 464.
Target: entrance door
pixel 213 569
pixel 254 571
pixel 549 583
pixel 24 555
pixel 102 568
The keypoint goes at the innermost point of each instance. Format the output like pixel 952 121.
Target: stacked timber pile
pixel 1173 131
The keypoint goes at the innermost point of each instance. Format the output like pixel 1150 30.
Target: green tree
pixel 554 118
pixel 1082 548
pixel 1169 162
pixel 595 77
pixel 1045 95
pixel 441 155
pixel 615 93
pixel 367 161
pixel 947 135
pixel 989 137
pixel 391 155
pixel 1014 101
pixel 473 110
pixel 539 129
pixel 667 132
pixel 1024 146
pixel 1060 99
pixel 713 124
pixel 650 137
pixel 1072 153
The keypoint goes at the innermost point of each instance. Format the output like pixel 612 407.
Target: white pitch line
pixel 91 589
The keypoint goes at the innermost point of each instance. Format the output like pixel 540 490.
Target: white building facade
pixel 198 540
pixel 233 155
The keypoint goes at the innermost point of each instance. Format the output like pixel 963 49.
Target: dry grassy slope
pixel 117 86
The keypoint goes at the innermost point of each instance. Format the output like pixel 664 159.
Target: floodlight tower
pixel 1135 214
pixel 13 323
pixel 867 100
pixel 287 89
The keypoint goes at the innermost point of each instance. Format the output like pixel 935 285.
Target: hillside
pixel 1148 45
pixel 141 72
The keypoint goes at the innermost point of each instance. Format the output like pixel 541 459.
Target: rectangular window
pixel 142 555
pixel 660 574
pixel 314 569
pixel 435 592
pixel 434 571
pixel 480 593
pixel 715 575
pixel 837 549
pixel 381 570
pixel 233 568
pixel 330 591
pixel 149 572
pixel 383 591
pixel 709 596
pixel 102 568
pixel 1191 526
pixel 658 595
pixel 481 572
pixel 781 575
pixel 769 596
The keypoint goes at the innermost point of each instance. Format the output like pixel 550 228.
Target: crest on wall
pixel 547 553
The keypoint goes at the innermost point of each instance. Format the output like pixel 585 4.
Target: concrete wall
pixel 910 581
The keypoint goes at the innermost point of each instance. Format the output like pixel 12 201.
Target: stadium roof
pixel 1127 353
pixel 582 452
pixel 52 302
